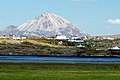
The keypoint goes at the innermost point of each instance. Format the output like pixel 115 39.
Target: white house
pixel 115 48
pixel 81 45
pixel 76 39
pixel 23 38
pixel 108 38
pixel 61 37
pixel 104 38
pixel 17 37
pixel 13 37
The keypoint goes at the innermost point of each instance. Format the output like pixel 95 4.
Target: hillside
pixel 34 47
pixel 42 46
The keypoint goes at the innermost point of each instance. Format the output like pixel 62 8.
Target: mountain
pixel 48 24
pixel 11 29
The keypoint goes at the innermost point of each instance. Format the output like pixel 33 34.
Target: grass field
pixel 37 71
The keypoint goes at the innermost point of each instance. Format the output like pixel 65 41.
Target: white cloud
pixel 113 21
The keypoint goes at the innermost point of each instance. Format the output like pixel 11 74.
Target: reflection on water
pixel 72 60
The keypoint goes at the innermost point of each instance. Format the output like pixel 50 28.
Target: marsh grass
pixel 39 71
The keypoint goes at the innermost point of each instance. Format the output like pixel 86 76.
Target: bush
pixel 27 43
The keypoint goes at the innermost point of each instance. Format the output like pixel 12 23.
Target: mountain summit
pixel 48 25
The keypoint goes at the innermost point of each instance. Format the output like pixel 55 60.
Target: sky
pixel 95 17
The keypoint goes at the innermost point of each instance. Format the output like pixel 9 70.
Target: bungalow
pixel 108 38
pixel 114 48
pixel 14 37
pixel 81 45
pixel 76 39
pixel 103 38
pixel 61 37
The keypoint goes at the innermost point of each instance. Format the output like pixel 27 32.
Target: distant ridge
pixel 114 36
pixel 111 36
pixel 11 29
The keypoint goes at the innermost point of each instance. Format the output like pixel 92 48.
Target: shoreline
pixel 115 56
pixel 57 64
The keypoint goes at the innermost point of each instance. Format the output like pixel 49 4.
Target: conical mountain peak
pixel 52 17
pixel 45 15
pixel 49 24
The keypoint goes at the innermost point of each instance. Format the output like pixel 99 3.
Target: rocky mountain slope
pixel 48 25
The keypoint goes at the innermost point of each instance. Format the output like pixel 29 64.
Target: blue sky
pixel 96 17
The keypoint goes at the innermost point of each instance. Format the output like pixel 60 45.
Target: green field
pixel 39 71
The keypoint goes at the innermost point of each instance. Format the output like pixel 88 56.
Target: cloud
pixel 113 21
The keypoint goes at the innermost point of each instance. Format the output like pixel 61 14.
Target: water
pixel 71 60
